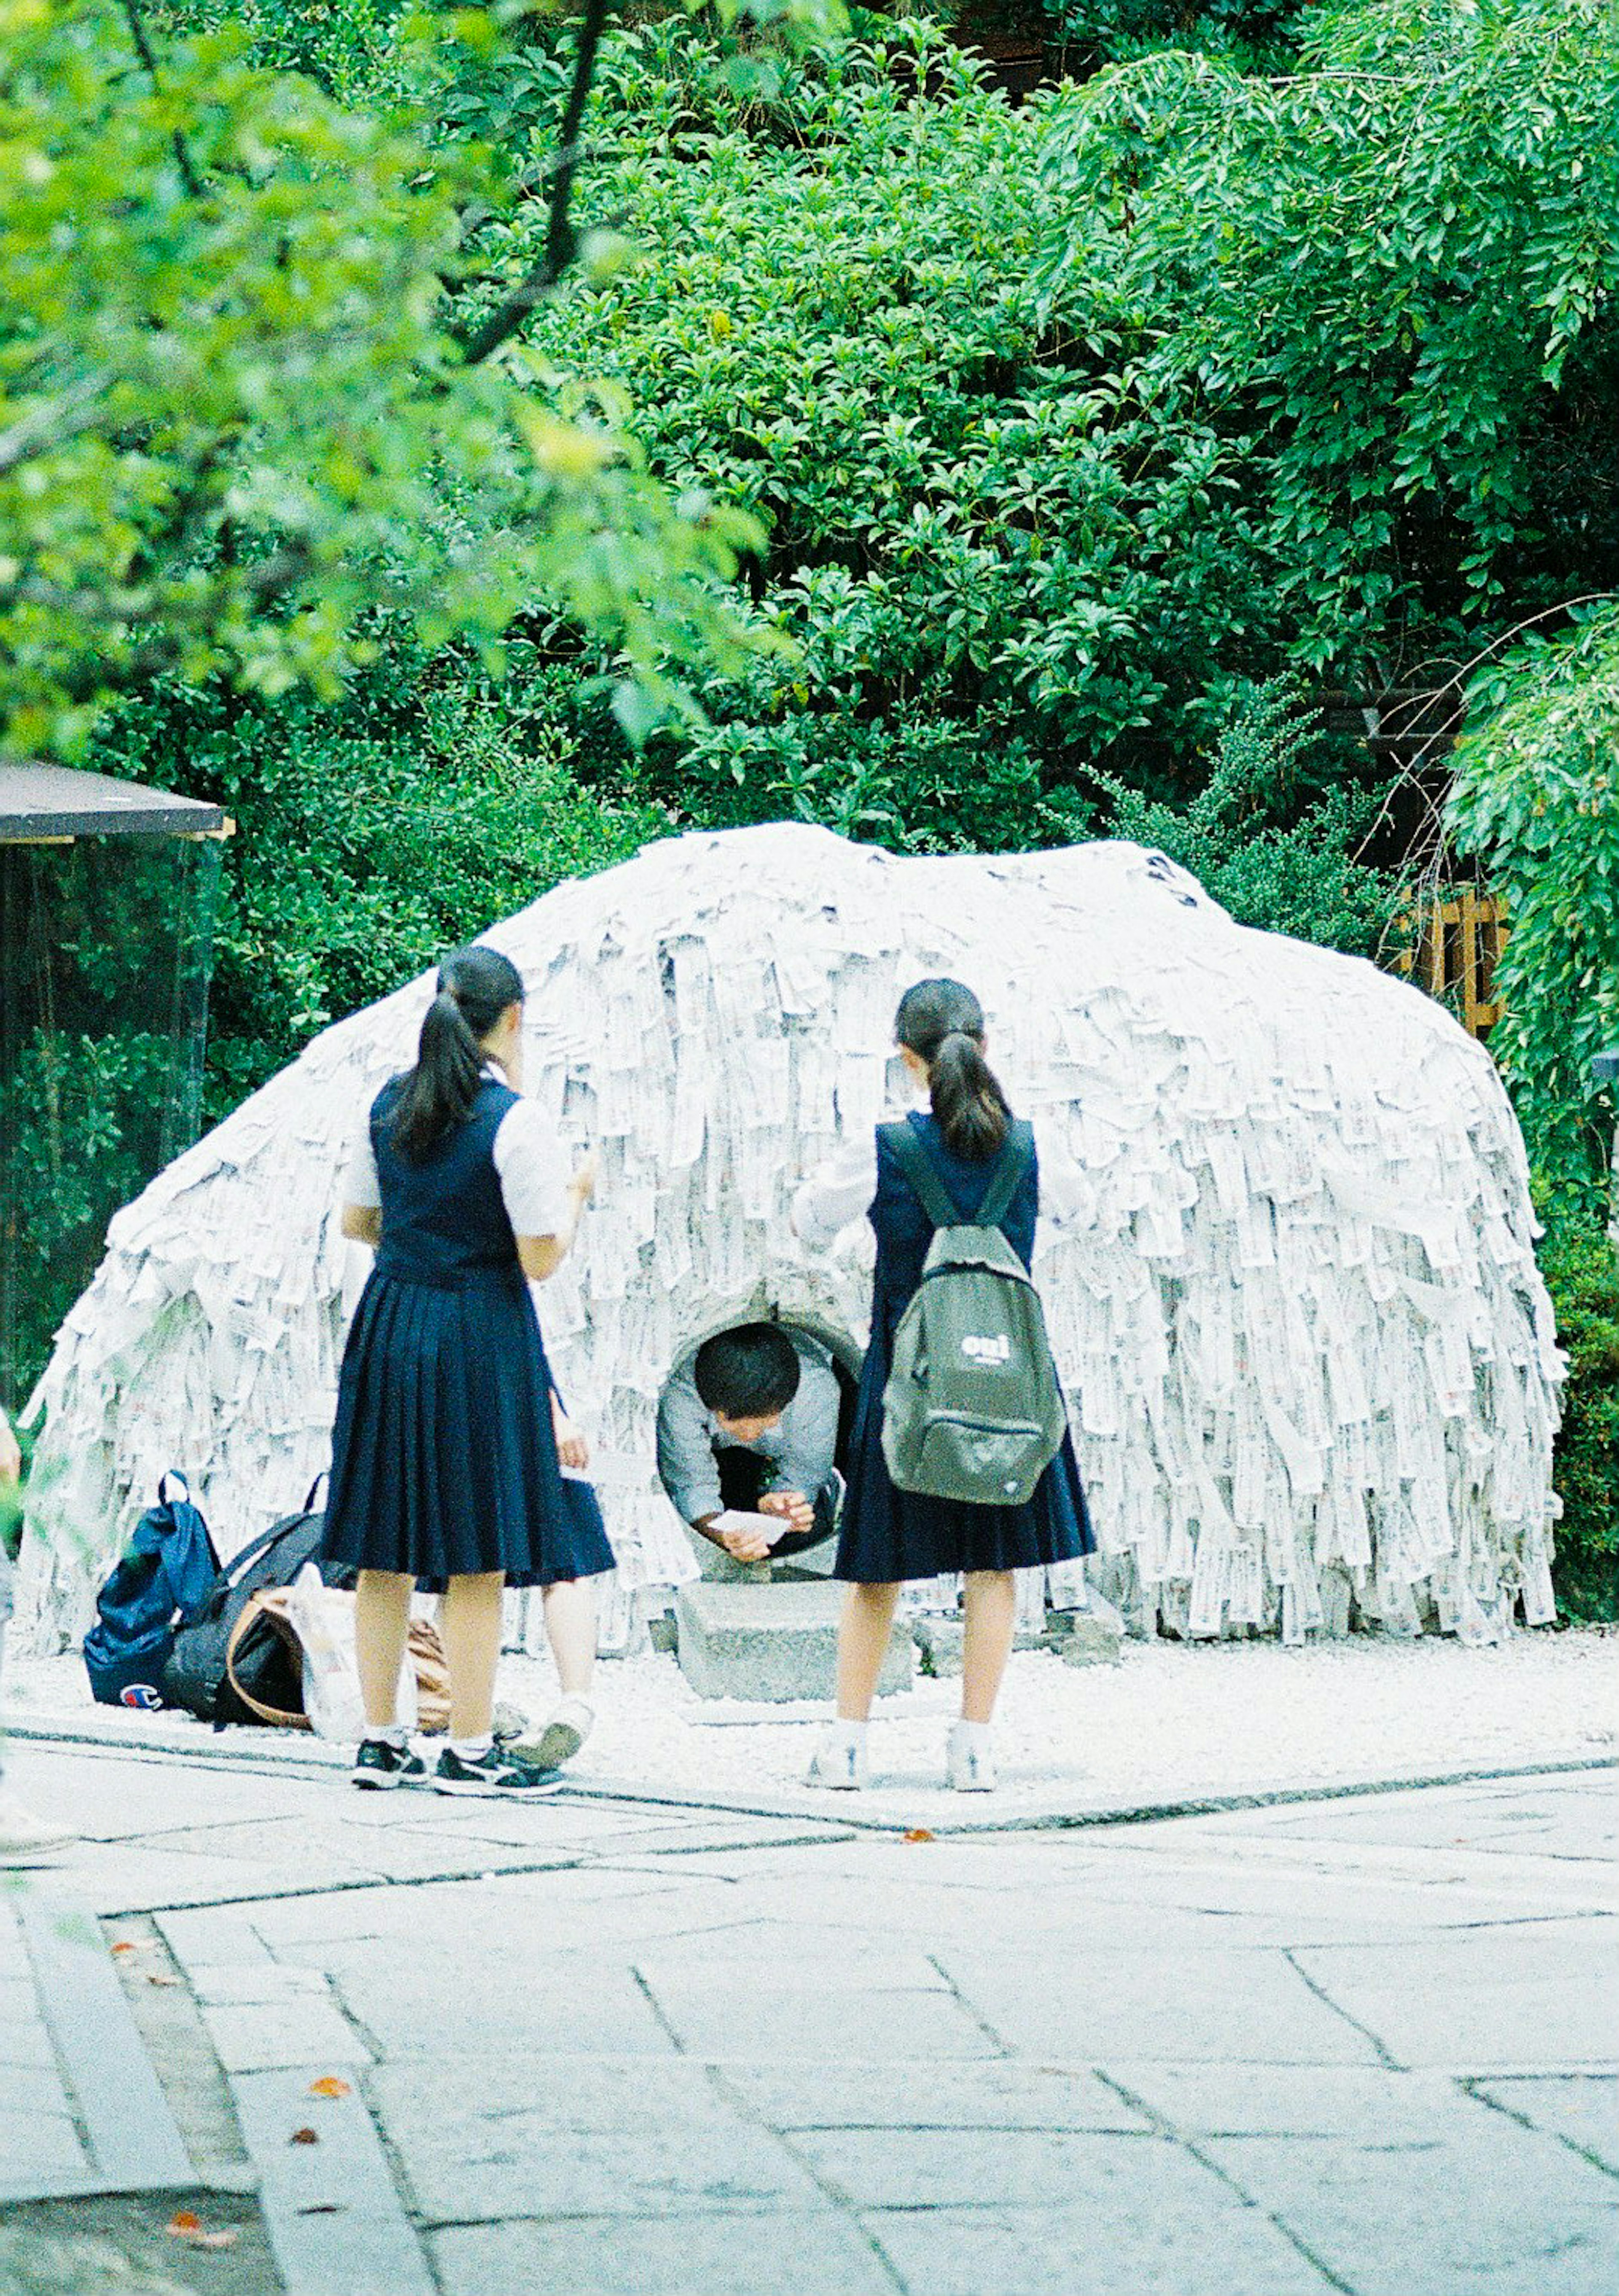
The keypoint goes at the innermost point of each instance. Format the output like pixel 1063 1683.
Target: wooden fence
pixel 1454 945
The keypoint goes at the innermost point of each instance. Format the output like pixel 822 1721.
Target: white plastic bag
pixel 323 1621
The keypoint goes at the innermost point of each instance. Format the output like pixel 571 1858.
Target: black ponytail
pixel 942 1023
pixel 475 986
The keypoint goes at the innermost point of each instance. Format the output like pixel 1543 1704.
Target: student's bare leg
pixel 382 1620
pixel 470 1617
pixel 990 1601
pixel 571 1630
pixel 862 1644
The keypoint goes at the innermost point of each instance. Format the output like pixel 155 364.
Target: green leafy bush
pixel 238 407
pixel 1582 1270
pixel 370 837
pixel 1386 281
pixel 1116 28
pixel 1266 838
pixel 1536 797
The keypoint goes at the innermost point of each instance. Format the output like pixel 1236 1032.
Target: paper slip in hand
pixel 767 1527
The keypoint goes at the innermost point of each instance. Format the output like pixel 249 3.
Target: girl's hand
pixel 582 1185
pixel 572 1449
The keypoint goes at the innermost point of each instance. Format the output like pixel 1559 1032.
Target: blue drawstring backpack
pixel 162 1583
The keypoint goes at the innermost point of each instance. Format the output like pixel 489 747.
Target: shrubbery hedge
pixel 1582 1271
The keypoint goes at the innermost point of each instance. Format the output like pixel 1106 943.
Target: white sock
pixel 388 1733
pixel 971 1734
pixel 841 1733
pixel 471 1750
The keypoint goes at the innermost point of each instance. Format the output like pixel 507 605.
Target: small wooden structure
pixel 107 897
pixel 1453 954
pixel 54 805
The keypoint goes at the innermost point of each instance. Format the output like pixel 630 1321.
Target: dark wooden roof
pixel 38 802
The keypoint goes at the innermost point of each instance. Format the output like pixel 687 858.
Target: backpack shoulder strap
pixel 1010 1166
pixel 236 1570
pixel 920 1169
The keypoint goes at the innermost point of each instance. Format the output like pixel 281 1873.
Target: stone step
pixel 771 1644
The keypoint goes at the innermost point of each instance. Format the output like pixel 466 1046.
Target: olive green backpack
pixel 973 1408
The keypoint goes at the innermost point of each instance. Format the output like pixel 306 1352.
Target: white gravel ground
pixel 1171 1722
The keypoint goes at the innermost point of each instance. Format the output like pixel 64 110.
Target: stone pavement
pixel 609 2049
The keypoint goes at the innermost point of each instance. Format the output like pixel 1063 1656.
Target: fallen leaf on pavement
pixel 184 2222
pixel 329 2085
pixel 124 1945
pixel 917 1833
pixel 160 1977
pixel 303 2137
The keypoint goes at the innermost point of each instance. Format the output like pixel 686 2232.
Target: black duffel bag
pixel 211 1664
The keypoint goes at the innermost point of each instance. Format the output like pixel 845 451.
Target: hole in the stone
pixel 740 1434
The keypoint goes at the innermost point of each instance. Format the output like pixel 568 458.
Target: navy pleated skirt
pixel 888 1536
pixel 444 1457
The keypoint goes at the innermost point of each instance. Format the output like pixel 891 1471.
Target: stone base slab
pixel 771 1644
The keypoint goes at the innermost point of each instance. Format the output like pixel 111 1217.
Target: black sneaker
pixel 381 1766
pixel 499 1771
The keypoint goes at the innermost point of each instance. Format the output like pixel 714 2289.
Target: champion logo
pixel 140 1694
pixel 984 1351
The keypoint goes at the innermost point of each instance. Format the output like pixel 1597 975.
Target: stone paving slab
pixel 1554 2001
pixel 1462 2216
pixel 997 2094
pixel 971 2167
pixel 402 2001
pixel 1579 2109
pixel 712 2015
pixel 1144 2216
pixel 265 2037
pixel 701 2158
pixel 80 2109
pixel 1219 2006
pixel 807 2251
pixel 333 2214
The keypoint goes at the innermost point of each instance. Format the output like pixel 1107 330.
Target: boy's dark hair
pixel 750 1373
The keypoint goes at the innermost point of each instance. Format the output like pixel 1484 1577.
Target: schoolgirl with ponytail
pixel 888 1536
pixel 450 1441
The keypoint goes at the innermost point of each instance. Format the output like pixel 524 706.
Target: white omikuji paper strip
pixel 1301 1327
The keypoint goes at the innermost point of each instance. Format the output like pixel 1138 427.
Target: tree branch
pixel 143 48
pixel 561 242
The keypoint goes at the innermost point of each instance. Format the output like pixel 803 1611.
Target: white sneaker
pixel 839 1761
pixel 26 1839
pixel 971 1762
pixel 561 1738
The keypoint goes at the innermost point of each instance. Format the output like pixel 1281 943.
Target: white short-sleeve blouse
pixel 527 1156
pixel 841 1192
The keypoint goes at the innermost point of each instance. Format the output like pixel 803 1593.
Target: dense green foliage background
pixel 1581 1268
pixel 1095 443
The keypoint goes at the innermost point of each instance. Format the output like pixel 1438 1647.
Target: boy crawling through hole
pixel 747 1441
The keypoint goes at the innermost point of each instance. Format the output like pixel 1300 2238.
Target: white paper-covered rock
pixel 1303 1328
